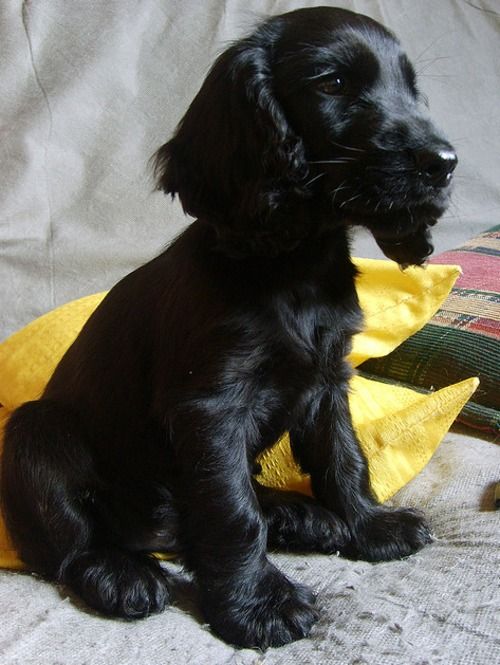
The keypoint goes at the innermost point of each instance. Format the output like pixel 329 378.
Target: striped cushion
pixel 461 340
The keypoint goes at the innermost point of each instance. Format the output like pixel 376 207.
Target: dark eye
pixel 333 85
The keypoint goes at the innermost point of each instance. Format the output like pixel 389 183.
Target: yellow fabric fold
pixel 398 428
pixel 8 555
pixel 29 356
pixel 396 303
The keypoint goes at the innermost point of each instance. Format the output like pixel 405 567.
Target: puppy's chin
pixel 412 249
pixel 406 238
pixel 403 235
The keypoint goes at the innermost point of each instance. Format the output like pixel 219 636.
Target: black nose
pixel 436 166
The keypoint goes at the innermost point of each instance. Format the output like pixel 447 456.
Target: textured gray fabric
pixel 88 90
pixel 440 606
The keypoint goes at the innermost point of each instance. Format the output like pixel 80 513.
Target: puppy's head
pixel 316 115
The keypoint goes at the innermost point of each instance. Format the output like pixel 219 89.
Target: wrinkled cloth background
pixel 88 91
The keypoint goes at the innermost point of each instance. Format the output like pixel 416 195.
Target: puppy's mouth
pixel 401 232
pixel 399 223
pixel 395 220
pixel 404 235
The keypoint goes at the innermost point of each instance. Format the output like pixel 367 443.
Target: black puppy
pixel 146 435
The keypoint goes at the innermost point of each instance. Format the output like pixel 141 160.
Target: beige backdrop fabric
pixel 89 90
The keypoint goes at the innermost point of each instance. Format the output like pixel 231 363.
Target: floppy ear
pixel 234 160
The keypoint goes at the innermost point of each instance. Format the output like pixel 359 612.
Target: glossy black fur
pixel 146 435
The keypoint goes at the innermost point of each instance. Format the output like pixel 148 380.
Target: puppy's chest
pixel 313 331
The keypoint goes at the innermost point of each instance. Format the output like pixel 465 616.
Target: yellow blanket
pixel 399 429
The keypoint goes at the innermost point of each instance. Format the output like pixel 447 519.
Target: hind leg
pixel 296 522
pixel 50 496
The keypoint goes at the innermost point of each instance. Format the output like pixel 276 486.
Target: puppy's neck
pixel 322 253
pixel 283 234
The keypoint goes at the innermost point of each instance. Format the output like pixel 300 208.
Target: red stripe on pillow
pixel 486 327
pixel 479 271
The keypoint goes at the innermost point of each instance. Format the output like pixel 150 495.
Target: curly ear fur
pixel 234 159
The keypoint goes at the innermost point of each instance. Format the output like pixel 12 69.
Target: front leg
pixel 245 598
pixel 325 445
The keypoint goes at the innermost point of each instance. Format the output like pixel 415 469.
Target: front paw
pixel 270 613
pixel 302 525
pixel 390 534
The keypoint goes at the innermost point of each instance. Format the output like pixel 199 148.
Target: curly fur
pixel 146 435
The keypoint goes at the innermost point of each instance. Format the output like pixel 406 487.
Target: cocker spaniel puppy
pixel 145 437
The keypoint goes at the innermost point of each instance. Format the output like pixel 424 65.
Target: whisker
pixel 340 160
pixel 353 198
pixel 347 147
pixel 431 45
pixel 440 57
pixel 442 77
pixel 320 175
pixel 411 214
pixel 336 192
pixel 339 189
pixel 429 62
pixel 390 171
